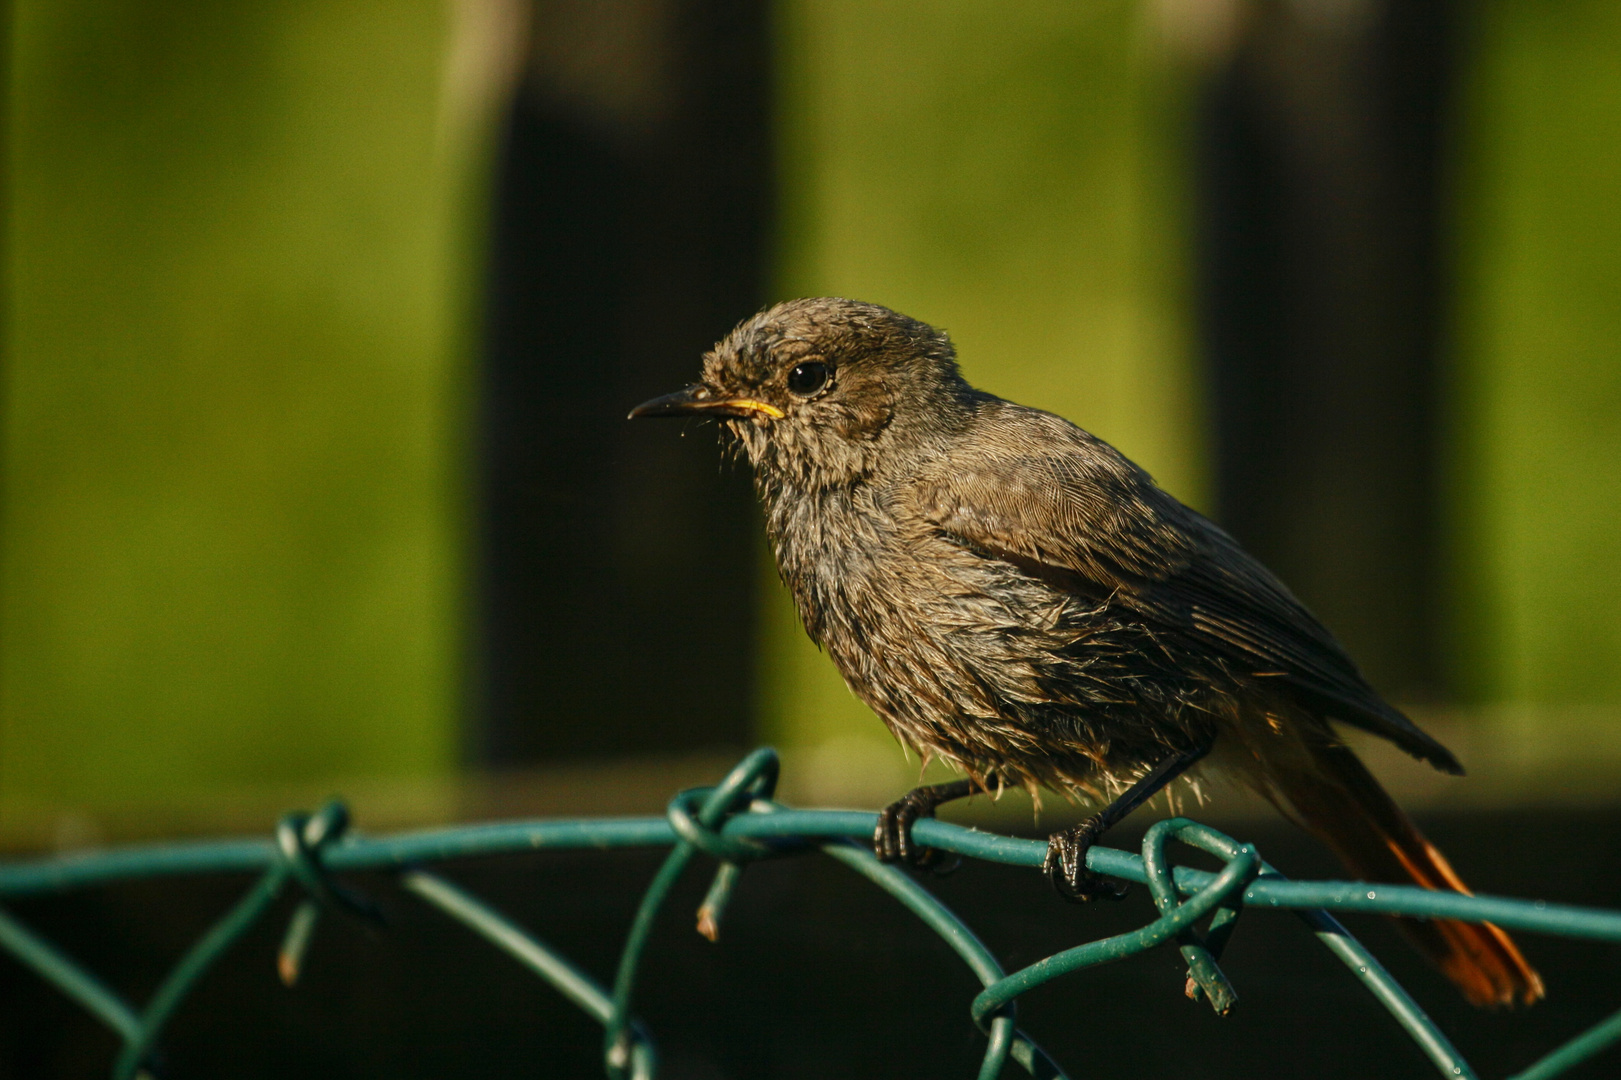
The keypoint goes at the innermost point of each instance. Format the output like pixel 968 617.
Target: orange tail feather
pixel 1323 786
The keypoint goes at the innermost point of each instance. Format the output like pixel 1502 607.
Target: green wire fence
pixel 736 822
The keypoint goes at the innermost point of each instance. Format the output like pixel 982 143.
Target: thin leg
pixel 892 841
pixel 1065 864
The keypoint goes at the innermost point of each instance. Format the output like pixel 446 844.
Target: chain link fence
pixel 736 822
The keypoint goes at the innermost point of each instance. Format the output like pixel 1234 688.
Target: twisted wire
pixel 734 823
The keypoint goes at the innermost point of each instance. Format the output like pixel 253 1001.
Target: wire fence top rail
pixel 736 822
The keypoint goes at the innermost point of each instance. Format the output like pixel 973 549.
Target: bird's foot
pixel 1065 865
pixel 892 841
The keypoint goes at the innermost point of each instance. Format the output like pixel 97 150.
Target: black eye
pixel 808 378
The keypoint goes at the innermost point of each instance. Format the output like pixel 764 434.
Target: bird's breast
pixel 882 592
pixel 835 552
pixel 967 657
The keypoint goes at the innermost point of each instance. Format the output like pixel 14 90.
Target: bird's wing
pixel 1033 490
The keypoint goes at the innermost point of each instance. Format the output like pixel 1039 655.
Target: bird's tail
pixel 1322 785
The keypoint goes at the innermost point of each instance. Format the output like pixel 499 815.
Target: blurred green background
pixel 237 305
pixel 260 325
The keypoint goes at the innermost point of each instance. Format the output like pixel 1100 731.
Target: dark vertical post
pixel 1319 208
pixel 617 561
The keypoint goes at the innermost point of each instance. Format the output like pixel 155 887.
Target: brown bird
pixel 1013 596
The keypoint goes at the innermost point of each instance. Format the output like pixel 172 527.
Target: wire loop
pixel 1201 951
pixel 301 839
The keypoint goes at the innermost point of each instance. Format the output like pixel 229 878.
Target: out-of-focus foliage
pixel 233 371
pixel 236 290
pixel 1537 395
pixel 1006 172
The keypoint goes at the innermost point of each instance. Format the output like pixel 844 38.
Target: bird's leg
pixel 892 840
pixel 1065 864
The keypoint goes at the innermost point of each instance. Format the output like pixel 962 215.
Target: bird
pixel 1013 596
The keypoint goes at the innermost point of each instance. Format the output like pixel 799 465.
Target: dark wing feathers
pixel 1032 489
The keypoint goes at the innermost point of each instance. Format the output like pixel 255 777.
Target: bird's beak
pixel 700 400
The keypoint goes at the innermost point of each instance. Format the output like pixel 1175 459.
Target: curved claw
pixel 1065 866
pixel 892 840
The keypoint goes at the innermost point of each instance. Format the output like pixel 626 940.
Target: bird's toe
pixel 1065 866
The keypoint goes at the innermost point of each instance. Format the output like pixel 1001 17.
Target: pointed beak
pixel 699 400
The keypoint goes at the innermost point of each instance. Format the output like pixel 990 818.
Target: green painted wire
pixel 1389 993
pixel 1005 1041
pixel 616 1048
pixel 210 947
pixel 757 774
pixel 552 966
pixel 731 838
pixel 55 968
pixel 1206 978
pixel 1372 974
pixel 761 765
pixel 1107 950
pixel 1596 1038
pixel 35 877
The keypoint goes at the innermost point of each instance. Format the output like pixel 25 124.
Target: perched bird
pixel 1013 596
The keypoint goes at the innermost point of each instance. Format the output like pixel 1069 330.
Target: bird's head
pixel 818 391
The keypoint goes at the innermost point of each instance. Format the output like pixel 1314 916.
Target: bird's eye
pixel 808 378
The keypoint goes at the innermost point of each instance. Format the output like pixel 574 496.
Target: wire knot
pixel 300 838
pixel 1201 951
pixel 699 814
pixel 688 818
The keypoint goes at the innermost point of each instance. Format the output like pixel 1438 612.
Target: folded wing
pixel 1064 506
